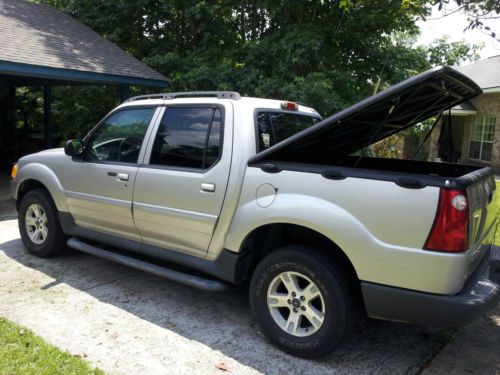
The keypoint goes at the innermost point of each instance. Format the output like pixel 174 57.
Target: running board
pixel 180 277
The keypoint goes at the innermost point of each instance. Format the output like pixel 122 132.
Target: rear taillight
pixel 451 225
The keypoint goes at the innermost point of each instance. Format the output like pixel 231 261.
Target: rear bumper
pixel 479 296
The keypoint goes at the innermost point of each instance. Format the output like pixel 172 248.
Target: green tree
pixel 328 54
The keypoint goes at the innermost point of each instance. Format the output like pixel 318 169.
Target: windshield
pixel 275 126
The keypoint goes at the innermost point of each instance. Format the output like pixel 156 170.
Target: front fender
pixel 44 175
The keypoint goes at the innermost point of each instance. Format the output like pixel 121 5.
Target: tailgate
pixel 483 217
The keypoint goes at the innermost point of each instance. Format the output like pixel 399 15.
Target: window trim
pixel 482 141
pixel 86 140
pixel 154 131
pixel 273 110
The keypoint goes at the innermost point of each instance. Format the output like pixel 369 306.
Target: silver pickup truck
pixel 212 189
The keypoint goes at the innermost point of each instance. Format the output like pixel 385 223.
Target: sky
pixel 454 25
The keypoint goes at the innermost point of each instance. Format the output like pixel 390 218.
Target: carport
pixel 41 46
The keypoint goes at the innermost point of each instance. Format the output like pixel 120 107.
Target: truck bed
pixel 405 193
pixel 405 173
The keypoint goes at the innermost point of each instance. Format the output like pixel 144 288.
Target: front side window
pixel 119 138
pixel 188 137
pixel 481 137
pixel 273 126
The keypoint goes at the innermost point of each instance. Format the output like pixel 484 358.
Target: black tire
pixel 340 311
pixel 55 241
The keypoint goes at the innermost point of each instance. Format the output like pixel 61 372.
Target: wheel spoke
pixel 290 282
pixel 30 221
pixel 293 323
pixel 34 235
pixel 277 300
pixel 36 211
pixel 314 316
pixel 311 292
pixel 44 232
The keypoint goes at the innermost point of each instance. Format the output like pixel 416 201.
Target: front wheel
pixel 302 302
pixel 39 225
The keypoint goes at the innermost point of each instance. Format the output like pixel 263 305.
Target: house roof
pixel 40 41
pixel 486 73
pixel 466 106
pixel 464 109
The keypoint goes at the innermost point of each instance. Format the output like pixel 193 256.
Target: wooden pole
pixel 47 115
pixel 124 91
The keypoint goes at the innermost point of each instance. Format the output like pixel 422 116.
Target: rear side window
pixel 273 126
pixel 188 137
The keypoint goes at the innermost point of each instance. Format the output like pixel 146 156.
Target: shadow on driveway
pixel 224 321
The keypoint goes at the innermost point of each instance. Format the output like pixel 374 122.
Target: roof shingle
pixel 486 73
pixel 39 34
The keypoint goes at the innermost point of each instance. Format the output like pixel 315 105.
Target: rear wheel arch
pixel 270 237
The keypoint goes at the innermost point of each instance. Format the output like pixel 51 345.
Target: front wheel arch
pixel 37 175
pixel 28 185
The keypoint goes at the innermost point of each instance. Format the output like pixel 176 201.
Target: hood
pixel 377 117
pixel 42 156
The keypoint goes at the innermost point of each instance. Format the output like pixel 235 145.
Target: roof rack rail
pixel 193 94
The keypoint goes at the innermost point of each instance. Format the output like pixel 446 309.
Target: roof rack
pixel 193 94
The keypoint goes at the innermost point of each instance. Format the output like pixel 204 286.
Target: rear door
pixel 180 188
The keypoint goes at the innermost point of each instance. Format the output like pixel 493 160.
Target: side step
pixel 180 277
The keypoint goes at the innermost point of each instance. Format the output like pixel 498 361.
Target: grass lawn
pixel 21 352
pixel 497 205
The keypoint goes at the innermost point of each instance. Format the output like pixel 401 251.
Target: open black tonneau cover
pixel 377 117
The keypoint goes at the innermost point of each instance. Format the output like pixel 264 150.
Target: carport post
pixel 124 92
pixel 47 115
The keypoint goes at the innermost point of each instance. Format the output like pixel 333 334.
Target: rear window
pixel 275 126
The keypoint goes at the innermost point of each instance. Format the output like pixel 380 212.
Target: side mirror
pixel 74 147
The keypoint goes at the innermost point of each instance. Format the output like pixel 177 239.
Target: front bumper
pixel 479 295
pixel 13 192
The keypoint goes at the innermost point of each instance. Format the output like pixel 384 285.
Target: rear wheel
pixel 302 302
pixel 39 225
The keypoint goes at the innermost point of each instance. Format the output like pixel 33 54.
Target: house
pixel 475 125
pixel 41 46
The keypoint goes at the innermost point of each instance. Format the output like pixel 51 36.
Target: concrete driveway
pixel 125 321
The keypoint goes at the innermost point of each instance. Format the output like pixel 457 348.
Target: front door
pixel 99 186
pixel 180 188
